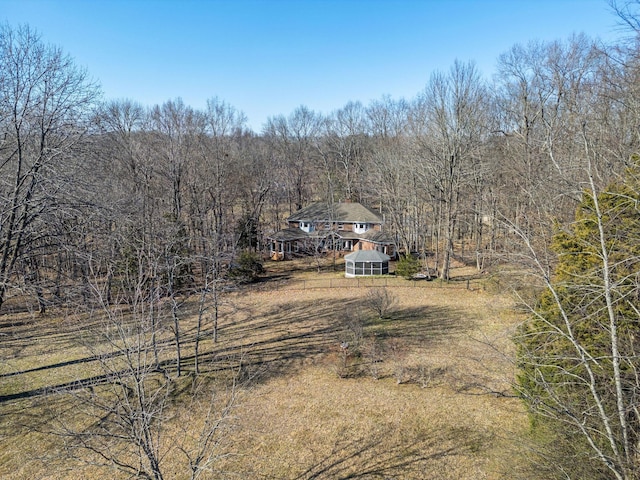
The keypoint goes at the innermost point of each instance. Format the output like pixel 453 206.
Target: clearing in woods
pixel 422 393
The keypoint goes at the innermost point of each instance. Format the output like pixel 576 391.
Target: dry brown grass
pixel 440 408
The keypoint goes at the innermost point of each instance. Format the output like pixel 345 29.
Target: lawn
pixel 422 393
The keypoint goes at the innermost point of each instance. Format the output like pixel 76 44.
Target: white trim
pixel 360 227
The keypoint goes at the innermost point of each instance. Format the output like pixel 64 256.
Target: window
pixel 350 268
pixel 340 226
pixel 360 227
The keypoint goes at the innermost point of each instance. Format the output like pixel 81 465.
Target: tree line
pixel 87 185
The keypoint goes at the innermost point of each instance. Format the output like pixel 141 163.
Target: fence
pixel 368 282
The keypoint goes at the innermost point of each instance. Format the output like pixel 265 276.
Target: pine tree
pixel 407 267
pixel 578 353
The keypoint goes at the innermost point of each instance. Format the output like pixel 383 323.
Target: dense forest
pixel 109 202
pixel 88 186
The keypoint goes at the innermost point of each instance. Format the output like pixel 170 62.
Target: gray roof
pixel 350 235
pixel 378 237
pixel 288 234
pixel 367 256
pixel 372 236
pixel 338 212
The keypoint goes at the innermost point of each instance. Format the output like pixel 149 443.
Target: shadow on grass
pixel 422 326
pixel 279 339
pixel 269 280
pixel 276 341
pixel 377 457
pixel 46 330
pixel 273 342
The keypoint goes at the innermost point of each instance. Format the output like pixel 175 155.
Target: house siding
pixel 366 245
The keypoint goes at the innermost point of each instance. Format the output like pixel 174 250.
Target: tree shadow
pixel 375 457
pixel 422 326
pixel 281 338
pixel 273 342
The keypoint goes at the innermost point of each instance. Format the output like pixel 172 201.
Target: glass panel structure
pixel 350 268
pixel 367 268
pixel 366 263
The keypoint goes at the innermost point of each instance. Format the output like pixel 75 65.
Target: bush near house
pixel 407 267
pixel 246 268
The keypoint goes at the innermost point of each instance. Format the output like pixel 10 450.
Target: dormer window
pixel 360 227
pixel 306 227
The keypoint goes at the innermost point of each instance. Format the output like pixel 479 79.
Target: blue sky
pixel 267 57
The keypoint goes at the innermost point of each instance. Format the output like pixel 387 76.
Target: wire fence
pixel 371 282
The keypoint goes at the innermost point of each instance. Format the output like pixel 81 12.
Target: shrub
pixel 380 300
pixel 408 266
pixel 246 268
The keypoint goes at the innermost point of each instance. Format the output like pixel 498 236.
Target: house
pixel 339 227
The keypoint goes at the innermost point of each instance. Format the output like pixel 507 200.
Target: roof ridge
pixel 337 212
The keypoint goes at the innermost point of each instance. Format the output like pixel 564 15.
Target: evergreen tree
pixel 246 268
pixel 578 353
pixel 408 266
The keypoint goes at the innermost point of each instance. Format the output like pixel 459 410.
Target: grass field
pixel 422 393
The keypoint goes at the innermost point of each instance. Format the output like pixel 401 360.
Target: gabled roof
pixel 337 212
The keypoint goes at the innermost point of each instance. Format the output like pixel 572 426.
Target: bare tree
pixel 391 180
pixel 388 119
pixel 545 93
pixel 628 13
pixel 292 140
pixel 45 104
pixel 255 185
pixel 133 415
pixel 450 144
pixel 345 143
pixel 122 419
pixel 220 168
pixel 380 300
pixel 202 446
